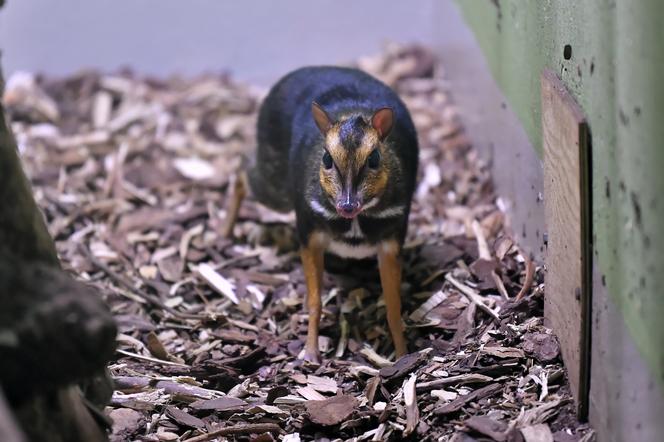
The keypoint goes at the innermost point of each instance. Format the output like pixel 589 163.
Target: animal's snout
pixel 348 209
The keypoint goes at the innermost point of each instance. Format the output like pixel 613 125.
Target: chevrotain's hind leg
pixel 238 188
pixel 390 278
pixel 312 263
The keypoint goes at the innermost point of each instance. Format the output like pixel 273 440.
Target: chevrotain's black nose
pixel 348 207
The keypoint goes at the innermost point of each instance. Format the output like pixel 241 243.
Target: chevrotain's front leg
pixel 312 263
pixel 390 278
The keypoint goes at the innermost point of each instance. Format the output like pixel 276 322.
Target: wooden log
pixel 55 332
pixel 22 229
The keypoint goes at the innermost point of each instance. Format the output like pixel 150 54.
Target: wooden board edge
pixel 585 162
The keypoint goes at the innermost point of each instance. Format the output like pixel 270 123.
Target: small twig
pixel 115 175
pixel 375 358
pixel 343 339
pixel 462 379
pixel 530 275
pixel 186 240
pixel 237 193
pixel 150 359
pixel 473 296
pixel 236 429
pixel 484 253
pixel 499 284
pixel 482 247
pixel 410 403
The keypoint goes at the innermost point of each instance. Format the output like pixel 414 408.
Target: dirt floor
pixel 133 175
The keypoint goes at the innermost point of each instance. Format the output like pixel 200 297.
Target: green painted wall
pixel 616 73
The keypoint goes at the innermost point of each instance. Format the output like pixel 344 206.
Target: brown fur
pixel 389 266
pixel 351 161
pixel 312 263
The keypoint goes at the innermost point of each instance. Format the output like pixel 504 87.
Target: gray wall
pixel 257 40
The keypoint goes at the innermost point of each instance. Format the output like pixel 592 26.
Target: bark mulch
pixel 133 175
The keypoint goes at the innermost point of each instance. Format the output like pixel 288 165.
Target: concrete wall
pixel 609 54
pixel 258 40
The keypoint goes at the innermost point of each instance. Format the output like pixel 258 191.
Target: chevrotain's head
pixel 354 164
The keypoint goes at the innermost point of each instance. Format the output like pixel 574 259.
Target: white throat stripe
pixel 319 209
pixel 346 250
pixel 390 212
pixel 372 202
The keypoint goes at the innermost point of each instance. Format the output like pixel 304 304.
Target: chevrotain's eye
pixel 327 160
pixel 374 159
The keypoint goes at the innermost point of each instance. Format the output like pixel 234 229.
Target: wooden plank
pixel 566 201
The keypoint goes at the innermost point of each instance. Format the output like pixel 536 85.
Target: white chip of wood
pixel 194 168
pixel 217 282
pixel 310 394
pixel 434 301
pixel 375 358
pixel 444 395
pixel 322 384
pixel 410 402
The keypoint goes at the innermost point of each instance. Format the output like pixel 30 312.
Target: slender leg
pixel 238 192
pixel 390 278
pixel 312 263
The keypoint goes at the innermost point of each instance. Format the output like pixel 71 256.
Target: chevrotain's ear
pixel 382 121
pixel 320 117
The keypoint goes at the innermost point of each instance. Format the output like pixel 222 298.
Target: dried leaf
pixel 156 348
pixel 331 411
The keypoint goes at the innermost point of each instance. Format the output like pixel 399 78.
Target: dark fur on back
pixel 290 145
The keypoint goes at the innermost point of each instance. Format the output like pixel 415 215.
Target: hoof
pixel 310 356
pixel 401 350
